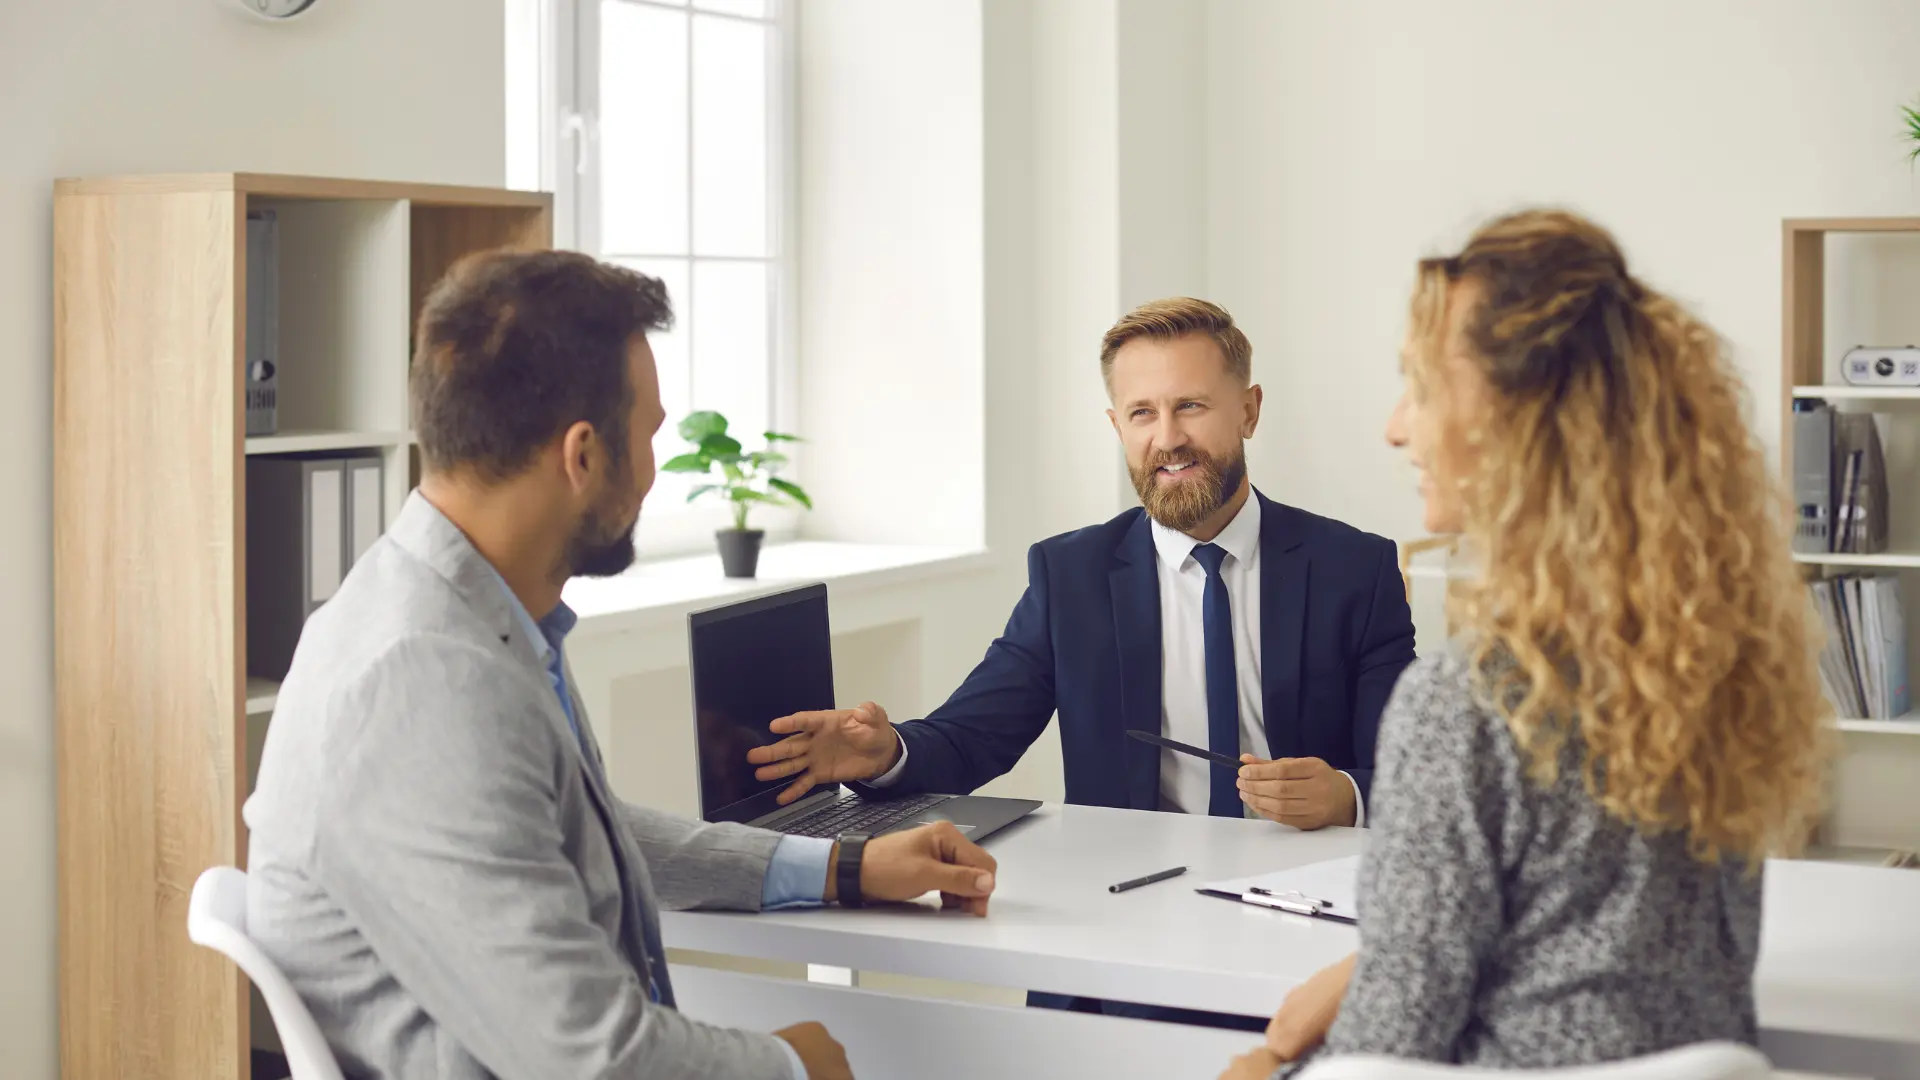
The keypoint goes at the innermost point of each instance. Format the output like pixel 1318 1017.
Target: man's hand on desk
pixel 904 865
pixel 1306 793
pixel 824 1058
pixel 826 748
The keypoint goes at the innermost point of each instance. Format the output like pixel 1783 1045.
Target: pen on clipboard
pixel 1221 760
pixel 1298 903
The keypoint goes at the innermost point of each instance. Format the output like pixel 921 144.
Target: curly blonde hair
pixel 1636 588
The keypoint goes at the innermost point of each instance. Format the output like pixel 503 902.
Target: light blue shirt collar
pixel 549 634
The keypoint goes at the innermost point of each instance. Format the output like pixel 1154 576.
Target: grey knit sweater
pixel 1504 924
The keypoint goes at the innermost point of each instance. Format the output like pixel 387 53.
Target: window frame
pixel 568 165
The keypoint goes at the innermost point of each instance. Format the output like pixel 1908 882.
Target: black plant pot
pixel 740 551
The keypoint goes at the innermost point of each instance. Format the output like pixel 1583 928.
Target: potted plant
pixel 745 478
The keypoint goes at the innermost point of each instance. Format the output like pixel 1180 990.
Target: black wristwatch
pixel 846 868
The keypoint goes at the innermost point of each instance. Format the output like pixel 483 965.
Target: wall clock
pixel 276 9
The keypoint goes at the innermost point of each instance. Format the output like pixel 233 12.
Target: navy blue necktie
pixel 1223 683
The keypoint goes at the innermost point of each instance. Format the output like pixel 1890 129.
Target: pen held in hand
pixel 1221 760
pixel 1148 880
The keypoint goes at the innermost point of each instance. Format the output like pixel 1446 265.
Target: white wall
pixel 407 91
pixel 1349 139
pixel 888 141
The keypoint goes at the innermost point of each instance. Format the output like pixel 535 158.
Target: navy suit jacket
pixel 1085 641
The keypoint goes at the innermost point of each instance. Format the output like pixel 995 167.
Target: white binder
pixel 366 505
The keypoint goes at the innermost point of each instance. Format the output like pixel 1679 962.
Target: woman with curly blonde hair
pixel 1574 802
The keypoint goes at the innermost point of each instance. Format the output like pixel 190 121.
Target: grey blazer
pixel 451 890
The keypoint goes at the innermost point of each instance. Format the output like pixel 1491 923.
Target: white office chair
pixel 217 918
pixel 1701 1061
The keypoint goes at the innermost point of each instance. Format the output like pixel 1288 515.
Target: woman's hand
pixel 1307 1014
pixel 1254 1065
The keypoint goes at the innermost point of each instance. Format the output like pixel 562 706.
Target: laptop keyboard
pixel 857 815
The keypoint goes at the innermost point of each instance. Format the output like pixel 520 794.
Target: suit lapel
pixel 641 926
pixel 1283 618
pixel 1135 585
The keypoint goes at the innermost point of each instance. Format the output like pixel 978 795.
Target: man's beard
pixel 601 548
pixel 1196 493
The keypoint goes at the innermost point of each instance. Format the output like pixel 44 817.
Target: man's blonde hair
pixel 1176 317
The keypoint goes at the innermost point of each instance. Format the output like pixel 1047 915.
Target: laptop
pixel 758 660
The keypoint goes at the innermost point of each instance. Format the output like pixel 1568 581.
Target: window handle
pixel 580 133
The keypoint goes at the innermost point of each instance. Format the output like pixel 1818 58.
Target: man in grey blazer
pixel 436 860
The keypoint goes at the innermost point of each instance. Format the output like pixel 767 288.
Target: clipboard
pixel 1322 890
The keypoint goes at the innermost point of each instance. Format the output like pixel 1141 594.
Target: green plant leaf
pixel 747 494
pixel 700 426
pixel 791 490
pixel 719 446
pixel 687 463
pixel 702 490
pixel 767 459
pixel 775 436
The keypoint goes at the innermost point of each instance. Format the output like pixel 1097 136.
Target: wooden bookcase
pixel 1870 267
pixel 1848 282
pixel 157 727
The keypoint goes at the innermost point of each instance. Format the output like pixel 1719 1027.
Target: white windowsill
pixel 671 588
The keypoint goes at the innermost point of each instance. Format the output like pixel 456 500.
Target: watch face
pixel 279 9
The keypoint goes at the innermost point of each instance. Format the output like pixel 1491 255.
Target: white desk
pixel 1838 985
pixel 897 1037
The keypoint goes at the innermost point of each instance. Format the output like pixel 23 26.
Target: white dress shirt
pixel 1185 783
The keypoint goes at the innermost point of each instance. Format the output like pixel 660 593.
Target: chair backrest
pixel 217 919
pixel 1701 1061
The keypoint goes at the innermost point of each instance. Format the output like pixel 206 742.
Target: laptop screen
pixel 754 662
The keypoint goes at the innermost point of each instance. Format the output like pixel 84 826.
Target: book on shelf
pixel 1839 480
pixel 260 366
pixel 1813 496
pixel 309 519
pixel 1863 662
pixel 1860 500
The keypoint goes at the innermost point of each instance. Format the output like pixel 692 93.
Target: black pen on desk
pixel 1148 880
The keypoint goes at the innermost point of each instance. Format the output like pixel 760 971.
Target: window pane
pixel 756 9
pixel 730 342
pixel 729 137
pixel 643 129
pixel 670 359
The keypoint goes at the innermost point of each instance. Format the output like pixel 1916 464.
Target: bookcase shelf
pixel 158 729
pixel 298 442
pixel 1886 560
pixel 1904 725
pixel 262 694
pixel 1857 393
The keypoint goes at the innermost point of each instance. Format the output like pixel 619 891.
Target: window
pixel 661 128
